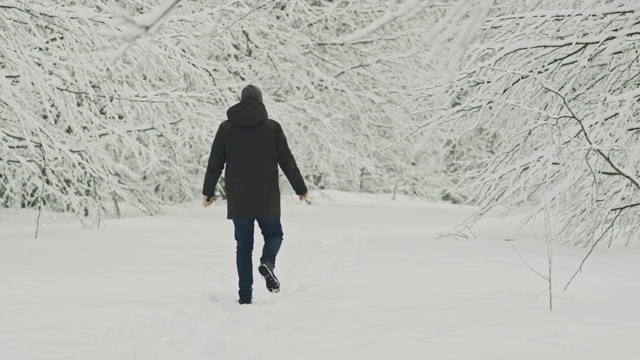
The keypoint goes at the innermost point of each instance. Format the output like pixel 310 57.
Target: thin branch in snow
pixel 593 247
pixel 527 264
pixel 625 207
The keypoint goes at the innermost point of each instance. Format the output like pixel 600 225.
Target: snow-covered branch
pixel 548 97
pixel 138 26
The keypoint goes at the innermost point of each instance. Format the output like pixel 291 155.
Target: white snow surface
pixel 363 277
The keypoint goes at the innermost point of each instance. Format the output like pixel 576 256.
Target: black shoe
pixel 266 270
pixel 244 299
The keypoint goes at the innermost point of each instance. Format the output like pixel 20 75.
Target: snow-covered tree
pixel 115 102
pixel 83 136
pixel 545 107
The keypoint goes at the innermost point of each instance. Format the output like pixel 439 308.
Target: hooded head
pixel 250 111
pixel 251 92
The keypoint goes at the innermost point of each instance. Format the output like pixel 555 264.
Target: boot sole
pixel 269 277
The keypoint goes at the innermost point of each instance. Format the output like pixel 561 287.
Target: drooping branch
pixel 587 138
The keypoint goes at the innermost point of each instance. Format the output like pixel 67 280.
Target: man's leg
pixel 244 250
pixel 272 232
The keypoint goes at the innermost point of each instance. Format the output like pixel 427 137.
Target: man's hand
pixel 303 197
pixel 206 200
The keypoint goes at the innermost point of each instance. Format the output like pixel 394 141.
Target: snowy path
pixel 365 278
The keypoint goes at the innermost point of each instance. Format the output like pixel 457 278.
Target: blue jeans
pixel 272 233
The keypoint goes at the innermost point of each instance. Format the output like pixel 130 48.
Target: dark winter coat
pixel 252 146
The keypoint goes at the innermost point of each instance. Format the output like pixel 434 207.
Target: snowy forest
pixel 494 103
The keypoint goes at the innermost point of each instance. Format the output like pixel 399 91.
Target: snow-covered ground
pixel 363 277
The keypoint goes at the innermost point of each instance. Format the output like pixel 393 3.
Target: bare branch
pixel 529 266
pixel 621 208
pixel 586 135
pixel 593 246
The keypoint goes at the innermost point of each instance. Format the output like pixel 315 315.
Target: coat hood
pixel 247 113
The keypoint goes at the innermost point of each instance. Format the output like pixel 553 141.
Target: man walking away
pixel 252 146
